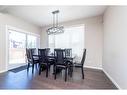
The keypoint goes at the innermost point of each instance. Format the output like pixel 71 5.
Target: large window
pixel 73 37
pixel 18 42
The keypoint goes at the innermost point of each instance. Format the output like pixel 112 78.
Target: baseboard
pixel 113 81
pixel 98 68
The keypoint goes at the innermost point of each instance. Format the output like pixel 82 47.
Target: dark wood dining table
pixel 68 58
pixel 53 57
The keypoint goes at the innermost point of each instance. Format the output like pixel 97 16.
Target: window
pixel 17 45
pixel 18 42
pixel 31 41
pixel 73 37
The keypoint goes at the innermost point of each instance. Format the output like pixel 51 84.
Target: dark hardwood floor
pixel 94 79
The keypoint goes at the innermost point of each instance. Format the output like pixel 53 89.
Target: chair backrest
pixel 83 57
pixel 68 52
pixel 47 51
pixel 42 55
pixel 59 54
pixel 33 50
pixel 29 55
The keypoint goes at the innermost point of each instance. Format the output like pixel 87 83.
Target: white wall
pixel 6 19
pixel 93 39
pixel 115 45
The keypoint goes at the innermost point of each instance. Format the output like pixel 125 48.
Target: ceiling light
pixel 56 28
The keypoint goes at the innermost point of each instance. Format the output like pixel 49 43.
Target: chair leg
pixel 47 67
pixel 72 67
pixel 65 74
pixel 82 73
pixel 54 72
pixel 39 69
pixel 53 69
pixel 28 66
pixel 32 68
pixel 71 71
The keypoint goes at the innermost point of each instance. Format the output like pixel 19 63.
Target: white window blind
pixel 73 37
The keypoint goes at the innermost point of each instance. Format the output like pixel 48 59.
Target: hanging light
pixel 56 28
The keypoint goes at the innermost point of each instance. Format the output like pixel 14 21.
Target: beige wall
pixel 115 45
pixel 6 19
pixel 93 39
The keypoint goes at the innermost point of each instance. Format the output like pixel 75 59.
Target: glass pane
pixel 51 43
pixel 17 43
pixel 62 40
pixel 31 41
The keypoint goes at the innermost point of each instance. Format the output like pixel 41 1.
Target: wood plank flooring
pixel 94 79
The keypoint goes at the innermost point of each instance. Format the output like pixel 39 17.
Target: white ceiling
pixel 42 16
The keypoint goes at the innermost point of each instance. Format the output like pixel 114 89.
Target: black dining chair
pixel 60 62
pixel 80 65
pixel 44 61
pixel 31 59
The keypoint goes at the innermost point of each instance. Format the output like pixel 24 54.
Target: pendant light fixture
pixel 56 28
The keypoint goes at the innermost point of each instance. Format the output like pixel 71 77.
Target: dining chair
pixel 44 61
pixel 80 65
pixel 60 62
pixel 31 59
